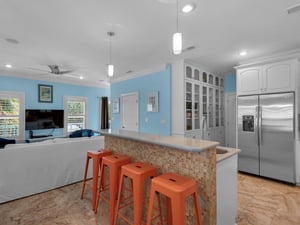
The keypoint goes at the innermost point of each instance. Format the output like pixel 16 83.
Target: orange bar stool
pixel 138 172
pixel 97 158
pixel 176 188
pixel 113 163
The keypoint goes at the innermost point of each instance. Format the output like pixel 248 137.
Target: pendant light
pixel 177 37
pixel 110 67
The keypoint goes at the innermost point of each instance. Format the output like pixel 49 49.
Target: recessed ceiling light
pixel 243 53
pixel 188 8
pixel 8 66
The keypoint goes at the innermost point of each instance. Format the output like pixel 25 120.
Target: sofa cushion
pixel 4 141
pixel 82 133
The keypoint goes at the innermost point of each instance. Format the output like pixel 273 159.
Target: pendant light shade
pixel 177 37
pixel 110 67
pixel 177 43
pixel 110 70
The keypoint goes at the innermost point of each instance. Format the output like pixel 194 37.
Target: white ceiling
pixel 73 34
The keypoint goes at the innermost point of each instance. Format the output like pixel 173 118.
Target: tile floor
pixel 260 202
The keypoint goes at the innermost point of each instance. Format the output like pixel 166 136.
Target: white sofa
pixel 27 169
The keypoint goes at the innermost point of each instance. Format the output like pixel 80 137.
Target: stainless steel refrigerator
pixel 266 135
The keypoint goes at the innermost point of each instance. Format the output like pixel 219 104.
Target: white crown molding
pixel 294 54
pixel 70 81
pixel 139 73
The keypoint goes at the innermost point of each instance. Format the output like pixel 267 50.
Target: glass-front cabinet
pixel 217 108
pixel 196 106
pixel 222 108
pixel 204 103
pixel 192 100
pixel 188 106
pixel 210 107
pixel 204 107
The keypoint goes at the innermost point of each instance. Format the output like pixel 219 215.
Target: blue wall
pixel 30 88
pixel 158 122
pixel 230 83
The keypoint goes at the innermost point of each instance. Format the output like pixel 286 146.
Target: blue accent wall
pixel 149 122
pixel 30 88
pixel 230 83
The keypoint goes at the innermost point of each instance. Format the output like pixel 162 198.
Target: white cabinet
pixel 192 107
pixel 279 77
pixel 248 80
pixel 197 102
pixel 226 180
pixel 267 78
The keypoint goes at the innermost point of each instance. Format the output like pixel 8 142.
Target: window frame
pixel 74 98
pixel 21 97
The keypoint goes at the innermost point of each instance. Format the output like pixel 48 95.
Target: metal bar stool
pixel 97 158
pixel 176 188
pixel 137 172
pixel 113 163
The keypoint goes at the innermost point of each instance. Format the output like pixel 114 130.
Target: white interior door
pixel 130 111
pixel 230 123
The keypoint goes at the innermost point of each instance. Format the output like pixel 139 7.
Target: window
pixel 75 113
pixel 12 122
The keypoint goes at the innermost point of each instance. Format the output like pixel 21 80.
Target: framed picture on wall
pixel 45 93
pixel 152 102
pixel 115 105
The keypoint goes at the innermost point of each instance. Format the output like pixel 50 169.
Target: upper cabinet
pixel 249 80
pixel 267 78
pixel 279 77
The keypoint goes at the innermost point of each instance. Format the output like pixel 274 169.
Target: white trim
pixel 270 59
pixel 48 78
pixel 21 97
pixel 74 98
pixel 139 73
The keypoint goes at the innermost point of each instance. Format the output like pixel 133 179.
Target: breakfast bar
pixel 185 156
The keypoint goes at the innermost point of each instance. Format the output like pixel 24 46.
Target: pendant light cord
pixel 110 47
pixel 177 3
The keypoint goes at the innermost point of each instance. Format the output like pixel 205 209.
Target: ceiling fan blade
pixel 72 76
pixel 46 71
pixel 65 71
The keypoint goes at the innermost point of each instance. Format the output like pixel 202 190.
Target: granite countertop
pixel 178 142
pixel 230 152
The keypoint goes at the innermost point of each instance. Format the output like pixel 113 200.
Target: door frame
pixel 228 111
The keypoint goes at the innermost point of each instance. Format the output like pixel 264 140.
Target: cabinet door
pixel 279 77
pixel 196 103
pixel 188 72
pixel 188 106
pixel 204 121
pixel 210 107
pixel 222 108
pixel 217 107
pixel 249 80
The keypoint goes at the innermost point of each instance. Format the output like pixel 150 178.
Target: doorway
pixel 130 111
pixel 230 115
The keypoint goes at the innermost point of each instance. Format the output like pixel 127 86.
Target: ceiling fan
pixel 55 69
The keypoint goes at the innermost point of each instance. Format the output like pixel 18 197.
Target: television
pixel 37 119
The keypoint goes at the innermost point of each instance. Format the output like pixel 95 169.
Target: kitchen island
pixel 186 156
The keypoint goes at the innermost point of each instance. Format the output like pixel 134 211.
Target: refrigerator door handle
pixel 256 120
pixel 260 138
